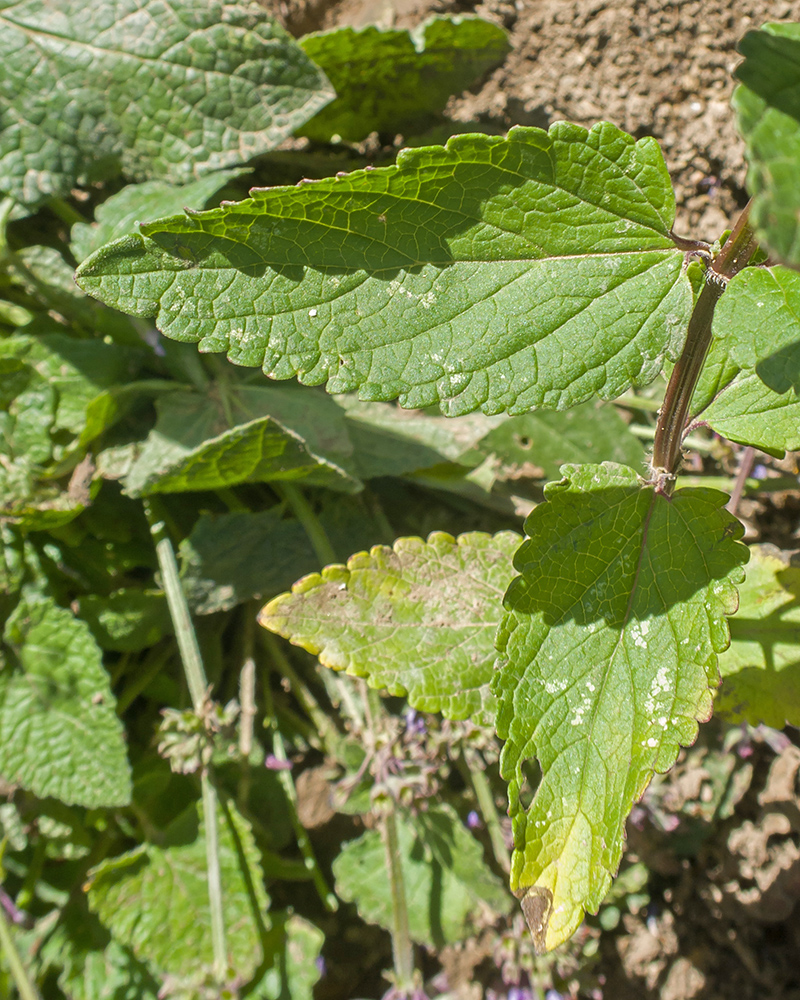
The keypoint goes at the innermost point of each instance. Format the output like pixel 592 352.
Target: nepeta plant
pixel 495 279
pixel 505 275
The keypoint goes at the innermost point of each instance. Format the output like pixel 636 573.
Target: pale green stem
pixel 305 515
pixel 402 948
pixel 198 689
pixel 150 669
pixel 65 211
pixel 214 876
pixel 325 728
pixel 179 611
pixel 329 900
pixel 483 795
pixel 24 984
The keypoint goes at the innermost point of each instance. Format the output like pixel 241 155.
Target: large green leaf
pixel 156 88
pixel 608 660
pixel 500 273
pixel 767 107
pixel 120 213
pixel 445 876
pixel 393 80
pixel 749 390
pixel 154 899
pixel 761 668
pixel 59 733
pixel 418 619
pixel 243 434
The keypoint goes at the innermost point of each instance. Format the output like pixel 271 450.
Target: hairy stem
pixel 735 255
pixel 198 689
pixel 179 610
pixel 402 948
pixel 23 982
pixel 210 815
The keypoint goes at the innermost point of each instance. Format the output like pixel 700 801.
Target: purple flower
pixel 415 724
pixel 518 993
pixel 473 820
pixel 273 764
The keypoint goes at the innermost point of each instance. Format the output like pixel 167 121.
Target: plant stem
pixel 304 513
pixel 24 984
pixel 745 467
pixel 739 248
pixel 210 816
pixel 476 773
pixel 65 211
pixel 327 731
pixel 179 610
pixel 198 689
pixel 402 949
pixel 329 900
pixel 148 670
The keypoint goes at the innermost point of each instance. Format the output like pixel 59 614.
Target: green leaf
pixel 127 620
pixel 446 879
pixel 155 88
pixel 542 442
pixel 389 441
pixel 417 619
pixel 295 972
pixel 78 371
pixel 243 434
pixel 749 390
pixel 608 658
pixel 761 668
pixel 767 106
pixel 122 212
pixel 91 965
pixel 231 558
pixel 154 899
pixel 476 275
pixel 59 733
pixel 388 80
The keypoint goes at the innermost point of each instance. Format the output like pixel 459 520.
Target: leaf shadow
pixel 780 371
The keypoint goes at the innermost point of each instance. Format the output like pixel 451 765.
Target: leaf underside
pixel 418 618
pixel 494 273
pixel 156 88
pixel 767 106
pixel 608 659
